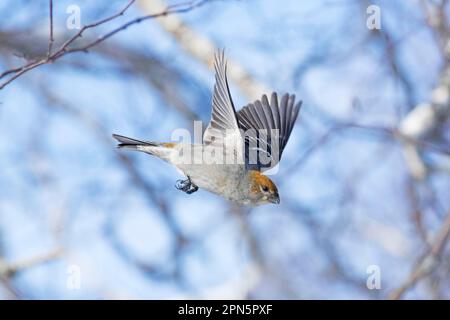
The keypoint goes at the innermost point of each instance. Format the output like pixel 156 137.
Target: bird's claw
pixel 192 189
pixel 186 186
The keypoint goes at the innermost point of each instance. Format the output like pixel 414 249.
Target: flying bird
pixel 237 146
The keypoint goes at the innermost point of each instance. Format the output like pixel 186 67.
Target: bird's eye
pixel 265 188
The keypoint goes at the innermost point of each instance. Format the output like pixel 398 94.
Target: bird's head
pixel 262 189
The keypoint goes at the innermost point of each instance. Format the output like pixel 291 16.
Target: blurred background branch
pixel 428 262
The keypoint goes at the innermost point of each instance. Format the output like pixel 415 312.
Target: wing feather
pixel 279 116
pixel 223 115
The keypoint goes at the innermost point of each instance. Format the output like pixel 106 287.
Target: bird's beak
pixel 274 199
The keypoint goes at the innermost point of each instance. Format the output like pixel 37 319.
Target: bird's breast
pixel 224 180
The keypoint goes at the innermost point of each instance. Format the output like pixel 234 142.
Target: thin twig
pixel 61 50
pixel 396 133
pixel 10 269
pixel 311 149
pixel 177 8
pixel 64 48
pixel 427 263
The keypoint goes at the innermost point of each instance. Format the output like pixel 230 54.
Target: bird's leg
pixel 183 185
pixel 192 189
pixel 186 186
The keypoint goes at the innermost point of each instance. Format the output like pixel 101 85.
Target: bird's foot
pixel 192 189
pixel 186 186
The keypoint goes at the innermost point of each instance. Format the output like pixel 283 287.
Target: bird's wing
pixel 267 127
pixel 223 130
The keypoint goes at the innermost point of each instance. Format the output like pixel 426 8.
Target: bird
pixel 251 141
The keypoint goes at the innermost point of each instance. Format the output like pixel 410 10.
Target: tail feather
pixel 130 143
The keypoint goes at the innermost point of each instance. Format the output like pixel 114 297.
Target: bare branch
pixel 201 48
pixel 427 263
pixel 65 49
pixel 10 269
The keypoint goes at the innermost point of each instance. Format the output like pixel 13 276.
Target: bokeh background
pixel 364 180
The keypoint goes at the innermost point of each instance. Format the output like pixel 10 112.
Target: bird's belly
pixel 219 179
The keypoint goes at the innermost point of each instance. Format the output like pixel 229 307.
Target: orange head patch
pixel 260 181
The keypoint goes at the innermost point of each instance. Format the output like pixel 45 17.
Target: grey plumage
pixel 223 112
pixel 272 122
pixel 269 116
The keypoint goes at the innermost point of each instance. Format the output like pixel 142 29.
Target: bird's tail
pixel 161 150
pixel 129 143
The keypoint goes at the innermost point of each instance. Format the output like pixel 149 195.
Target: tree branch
pixel 427 263
pixel 201 48
pixel 10 269
pixel 65 49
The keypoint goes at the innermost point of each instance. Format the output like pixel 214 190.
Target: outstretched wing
pixel 267 127
pixel 223 130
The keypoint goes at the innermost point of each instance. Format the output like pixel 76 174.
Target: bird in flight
pixel 237 146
